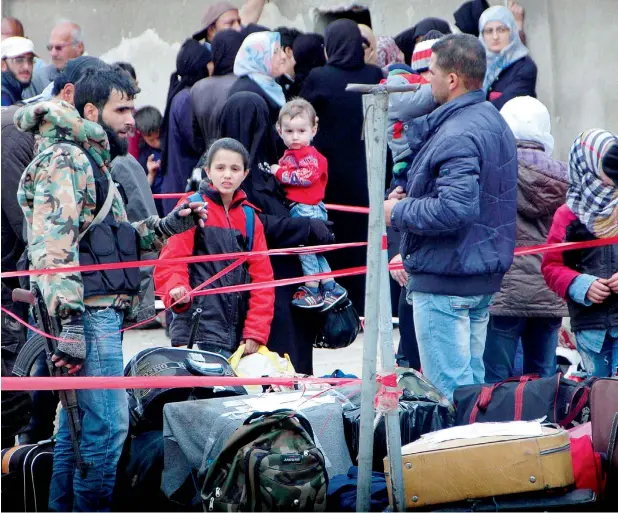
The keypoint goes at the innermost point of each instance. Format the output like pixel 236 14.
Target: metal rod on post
pixel 378 322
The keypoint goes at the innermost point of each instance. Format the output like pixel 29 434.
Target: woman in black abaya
pixel 406 41
pixel 339 139
pixel 245 118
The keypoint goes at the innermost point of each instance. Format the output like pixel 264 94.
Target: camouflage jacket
pixel 58 197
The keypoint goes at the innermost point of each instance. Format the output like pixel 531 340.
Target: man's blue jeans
pixel 104 421
pixel 451 332
pixel 539 339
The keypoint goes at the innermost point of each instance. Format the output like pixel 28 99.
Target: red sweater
pixel 304 174
pixel 219 226
pixel 557 275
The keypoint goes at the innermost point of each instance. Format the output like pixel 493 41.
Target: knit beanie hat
pixel 610 163
pixel 422 51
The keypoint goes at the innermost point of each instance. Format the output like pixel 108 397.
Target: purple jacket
pixel 541 190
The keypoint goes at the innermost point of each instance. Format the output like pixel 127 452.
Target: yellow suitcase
pixel 479 460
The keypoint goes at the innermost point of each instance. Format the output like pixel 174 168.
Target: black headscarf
pixel 225 46
pixel 191 65
pixel 406 41
pixel 344 45
pixel 308 53
pixel 246 118
pixel 468 15
pixel 252 28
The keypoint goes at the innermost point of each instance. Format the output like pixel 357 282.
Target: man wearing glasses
pixel 17 65
pixel 66 42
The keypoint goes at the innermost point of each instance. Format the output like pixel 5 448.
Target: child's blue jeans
pixel 312 264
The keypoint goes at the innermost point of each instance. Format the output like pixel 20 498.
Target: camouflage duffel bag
pixel 270 463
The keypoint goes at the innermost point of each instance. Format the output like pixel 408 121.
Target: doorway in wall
pixel 356 12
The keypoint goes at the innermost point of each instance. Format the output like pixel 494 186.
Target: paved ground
pixel 350 359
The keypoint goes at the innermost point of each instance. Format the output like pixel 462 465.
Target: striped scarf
pixel 591 200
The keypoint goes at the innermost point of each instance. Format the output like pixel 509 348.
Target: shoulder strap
pixel 250 226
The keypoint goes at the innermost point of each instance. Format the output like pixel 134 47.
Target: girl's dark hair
pixel 148 120
pixel 227 143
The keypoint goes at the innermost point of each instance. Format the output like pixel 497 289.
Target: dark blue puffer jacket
pixel 458 220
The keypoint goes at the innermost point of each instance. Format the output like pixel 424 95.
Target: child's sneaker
pixel 334 296
pixel 307 298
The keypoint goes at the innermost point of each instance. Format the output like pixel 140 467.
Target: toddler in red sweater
pixel 303 172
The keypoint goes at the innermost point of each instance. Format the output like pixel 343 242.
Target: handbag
pixel 341 325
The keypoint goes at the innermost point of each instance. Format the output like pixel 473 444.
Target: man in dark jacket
pixel 17 151
pixel 458 220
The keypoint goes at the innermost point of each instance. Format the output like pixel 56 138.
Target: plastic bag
pixel 260 364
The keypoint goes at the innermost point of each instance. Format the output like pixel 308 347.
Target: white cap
pixel 16 46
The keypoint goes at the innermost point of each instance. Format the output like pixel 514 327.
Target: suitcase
pixel 604 418
pixel 26 476
pixel 573 500
pixel 484 460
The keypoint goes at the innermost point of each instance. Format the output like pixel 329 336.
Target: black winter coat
pixel 519 79
pixel 339 140
pixel 17 153
pixel 601 262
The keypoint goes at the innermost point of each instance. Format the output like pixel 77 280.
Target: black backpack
pixel 146 405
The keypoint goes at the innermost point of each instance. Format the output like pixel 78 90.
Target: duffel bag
pixel 556 399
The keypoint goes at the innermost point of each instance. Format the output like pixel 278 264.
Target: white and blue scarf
pixel 254 59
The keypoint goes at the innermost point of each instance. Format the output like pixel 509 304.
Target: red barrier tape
pixel 528 250
pixel 135 382
pixel 184 260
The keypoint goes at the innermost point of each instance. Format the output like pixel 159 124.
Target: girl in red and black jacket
pixel 232 318
pixel 588 278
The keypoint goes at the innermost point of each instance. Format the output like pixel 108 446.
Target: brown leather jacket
pixel 541 190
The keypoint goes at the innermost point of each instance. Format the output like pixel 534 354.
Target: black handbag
pixel 341 325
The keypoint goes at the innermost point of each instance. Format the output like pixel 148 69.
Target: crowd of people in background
pixel 259 132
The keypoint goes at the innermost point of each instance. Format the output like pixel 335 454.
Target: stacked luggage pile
pixel 527 444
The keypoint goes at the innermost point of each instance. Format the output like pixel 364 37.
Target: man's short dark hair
pixel 288 36
pixel 463 55
pixel 128 67
pixel 148 120
pixel 96 87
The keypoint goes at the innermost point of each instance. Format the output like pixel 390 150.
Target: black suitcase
pixel 26 476
pixel 574 500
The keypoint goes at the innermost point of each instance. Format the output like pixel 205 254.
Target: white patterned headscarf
pixel 593 201
pixel 515 50
pixel 254 59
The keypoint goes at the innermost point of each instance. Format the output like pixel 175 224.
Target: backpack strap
pixel 250 225
pixel 249 218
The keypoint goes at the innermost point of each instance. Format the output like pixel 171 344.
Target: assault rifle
pixel 68 398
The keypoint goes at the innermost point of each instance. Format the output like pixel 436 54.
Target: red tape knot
pixel 387 398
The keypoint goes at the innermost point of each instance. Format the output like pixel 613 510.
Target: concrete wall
pixel 573 43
